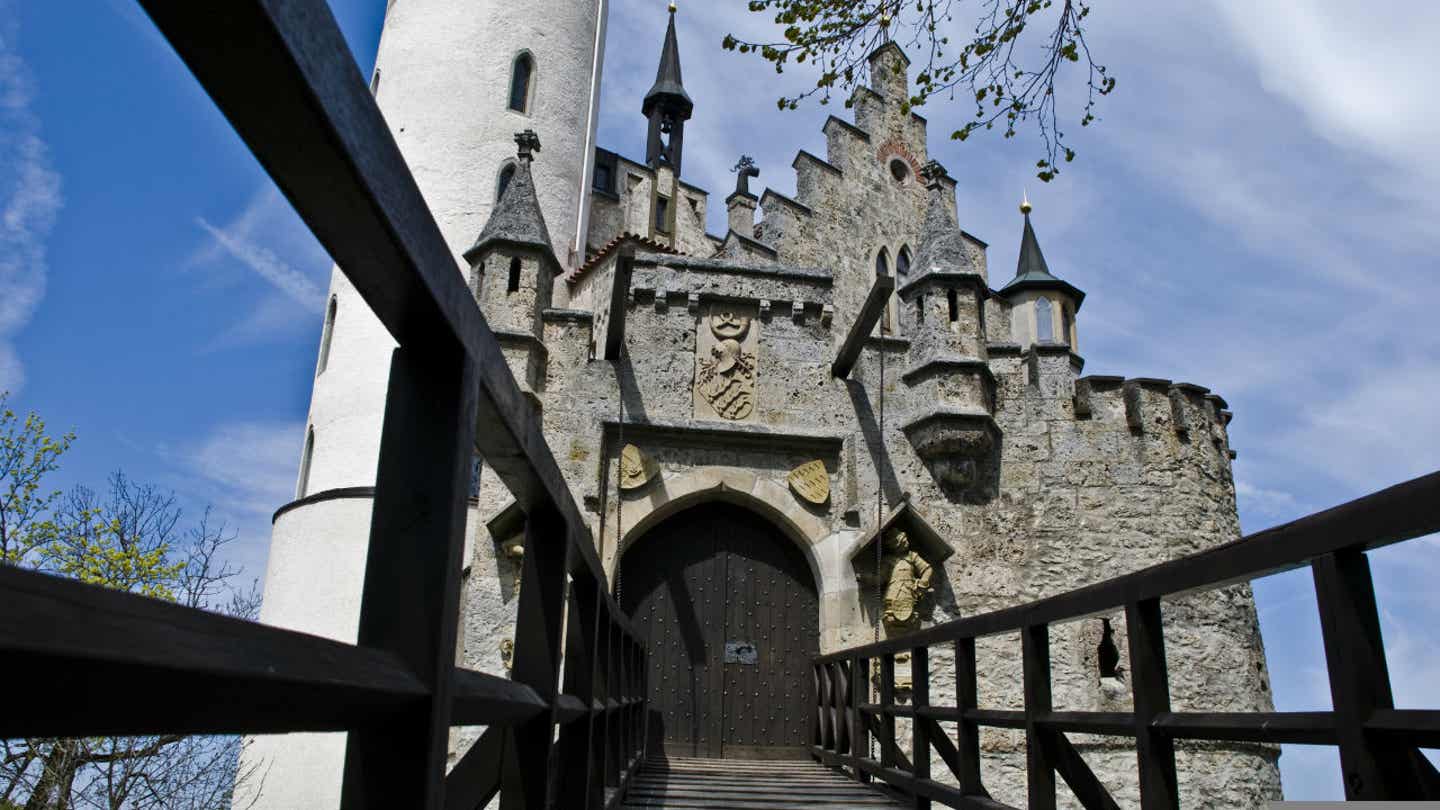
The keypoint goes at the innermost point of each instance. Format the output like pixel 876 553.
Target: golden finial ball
pixel 672 6
pixel 1025 206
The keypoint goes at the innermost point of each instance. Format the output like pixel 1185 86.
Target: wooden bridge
pixel 573 736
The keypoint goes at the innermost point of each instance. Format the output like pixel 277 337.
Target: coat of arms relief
pixel 725 364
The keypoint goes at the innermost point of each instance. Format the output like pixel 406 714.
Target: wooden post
pixel 1360 683
pixel 411 601
pixel 538 622
pixel 920 735
pixel 859 729
pixel 1155 752
pixel 888 753
pixel 581 787
pixel 1040 771
pixel 967 698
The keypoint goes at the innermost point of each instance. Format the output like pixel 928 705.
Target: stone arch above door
pixel 811 530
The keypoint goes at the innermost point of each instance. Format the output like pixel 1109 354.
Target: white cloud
pixel 236 241
pixel 1362 73
pixel 244 470
pixel 29 203
pixel 251 465
pixel 1269 502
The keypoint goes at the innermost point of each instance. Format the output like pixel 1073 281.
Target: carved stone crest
pixel 636 467
pixel 725 365
pixel 811 482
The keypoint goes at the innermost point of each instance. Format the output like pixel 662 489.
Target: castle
pixel 740 492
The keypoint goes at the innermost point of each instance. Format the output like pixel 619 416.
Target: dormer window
pixel 520 83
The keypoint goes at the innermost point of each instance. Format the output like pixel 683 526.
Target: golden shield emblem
pixel 811 482
pixel 636 467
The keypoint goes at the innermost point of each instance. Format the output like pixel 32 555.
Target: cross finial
pixel 933 173
pixel 529 144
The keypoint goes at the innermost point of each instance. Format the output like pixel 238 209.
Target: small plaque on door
pixel 741 652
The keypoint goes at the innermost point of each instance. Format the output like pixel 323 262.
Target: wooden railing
pixel 281 73
pixel 1378 744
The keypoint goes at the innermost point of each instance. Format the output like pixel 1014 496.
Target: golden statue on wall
pixel 907 580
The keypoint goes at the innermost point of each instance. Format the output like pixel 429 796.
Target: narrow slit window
pixel 375 83
pixel 1067 324
pixel 887 315
pixel 520 83
pixel 1108 655
pixel 477 279
pixel 477 462
pixel 302 487
pixel 662 214
pixel 953 299
pixel 902 262
pixel 512 283
pixel 326 336
pixel 1044 323
pixel 920 309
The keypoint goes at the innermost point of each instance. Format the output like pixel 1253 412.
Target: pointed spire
pixel 517 219
pixel 1031 271
pixel 669 87
pixel 942 247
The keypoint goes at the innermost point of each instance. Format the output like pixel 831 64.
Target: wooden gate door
pixel 730 613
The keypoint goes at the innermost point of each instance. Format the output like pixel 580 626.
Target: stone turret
pixel 513 269
pixel 955 432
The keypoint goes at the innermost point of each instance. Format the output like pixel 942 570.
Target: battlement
pixel 1153 405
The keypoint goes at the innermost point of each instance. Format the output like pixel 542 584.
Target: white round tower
pixel 456 79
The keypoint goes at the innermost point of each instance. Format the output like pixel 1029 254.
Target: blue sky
pixel 1256 213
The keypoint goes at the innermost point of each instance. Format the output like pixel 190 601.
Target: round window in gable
pixel 899 170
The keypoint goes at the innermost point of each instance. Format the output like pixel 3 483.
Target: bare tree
pixel 1010 77
pixel 133 539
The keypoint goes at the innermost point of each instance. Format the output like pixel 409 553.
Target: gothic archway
pixel 729 608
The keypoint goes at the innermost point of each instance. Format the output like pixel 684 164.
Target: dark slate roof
pixel 942 245
pixel 516 218
pixel 1031 273
pixel 669 88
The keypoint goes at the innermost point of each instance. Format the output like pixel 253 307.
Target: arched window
pixel 326 336
pixel 520 83
pixel 1044 325
pixel 887 316
pixel 303 485
pixel 506 175
pixel 1067 325
pixel 902 262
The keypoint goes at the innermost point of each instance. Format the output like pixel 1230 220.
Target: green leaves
pixel 27 454
pixel 1012 77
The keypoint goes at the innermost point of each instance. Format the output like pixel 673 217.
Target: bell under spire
pixel 667 105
